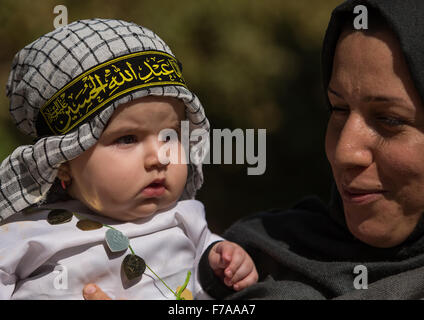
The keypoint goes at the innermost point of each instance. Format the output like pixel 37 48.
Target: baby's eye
pixel 126 139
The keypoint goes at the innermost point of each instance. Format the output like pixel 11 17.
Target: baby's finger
pixel 238 257
pixel 245 268
pixel 217 256
pixel 252 278
pixel 215 260
pixel 93 292
pixel 227 251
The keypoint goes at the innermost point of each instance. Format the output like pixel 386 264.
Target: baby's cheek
pixel 115 176
pixel 177 177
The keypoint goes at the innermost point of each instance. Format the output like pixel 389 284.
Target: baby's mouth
pixel 154 189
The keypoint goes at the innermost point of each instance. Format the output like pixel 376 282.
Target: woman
pixel 371 236
pixel 368 243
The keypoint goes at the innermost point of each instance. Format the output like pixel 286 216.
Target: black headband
pixel 97 87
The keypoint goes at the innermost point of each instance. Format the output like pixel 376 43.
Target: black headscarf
pixel 307 252
pixel 405 19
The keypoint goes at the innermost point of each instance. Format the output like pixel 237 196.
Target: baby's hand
pixel 233 265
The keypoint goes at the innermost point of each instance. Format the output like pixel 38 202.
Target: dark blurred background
pixel 253 64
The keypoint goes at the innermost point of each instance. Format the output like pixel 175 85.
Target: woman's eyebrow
pixel 374 98
pixel 383 98
pixel 334 92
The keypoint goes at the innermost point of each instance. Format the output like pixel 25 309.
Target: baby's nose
pixel 152 157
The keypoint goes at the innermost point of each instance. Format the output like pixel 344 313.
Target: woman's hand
pixel 92 292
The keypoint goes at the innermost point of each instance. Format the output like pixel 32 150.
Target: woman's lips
pixel 154 189
pixel 361 196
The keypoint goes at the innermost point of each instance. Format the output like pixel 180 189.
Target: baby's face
pixel 121 176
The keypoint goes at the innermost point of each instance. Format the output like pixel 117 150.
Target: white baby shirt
pixel 43 261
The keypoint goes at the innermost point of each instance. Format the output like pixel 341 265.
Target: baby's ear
pixel 64 172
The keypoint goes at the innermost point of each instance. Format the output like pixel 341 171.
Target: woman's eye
pixel 126 139
pixel 339 109
pixel 392 122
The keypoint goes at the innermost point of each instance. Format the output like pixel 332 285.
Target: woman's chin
pixel 376 234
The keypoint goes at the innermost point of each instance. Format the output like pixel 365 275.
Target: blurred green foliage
pixel 253 64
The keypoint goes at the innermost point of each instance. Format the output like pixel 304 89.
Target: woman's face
pixel 375 138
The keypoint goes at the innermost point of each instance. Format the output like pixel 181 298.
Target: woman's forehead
pixel 372 65
pixel 379 50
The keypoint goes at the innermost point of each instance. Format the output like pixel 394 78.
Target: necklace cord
pixel 177 295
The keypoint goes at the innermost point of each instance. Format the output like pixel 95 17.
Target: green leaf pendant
pixel 116 240
pixel 59 216
pixel 133 266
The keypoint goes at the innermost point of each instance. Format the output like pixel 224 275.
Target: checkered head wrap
pixel 64 87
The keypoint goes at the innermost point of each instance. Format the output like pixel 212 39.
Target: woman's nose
pixel 354 146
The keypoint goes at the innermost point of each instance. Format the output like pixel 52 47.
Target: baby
pixel 91 201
